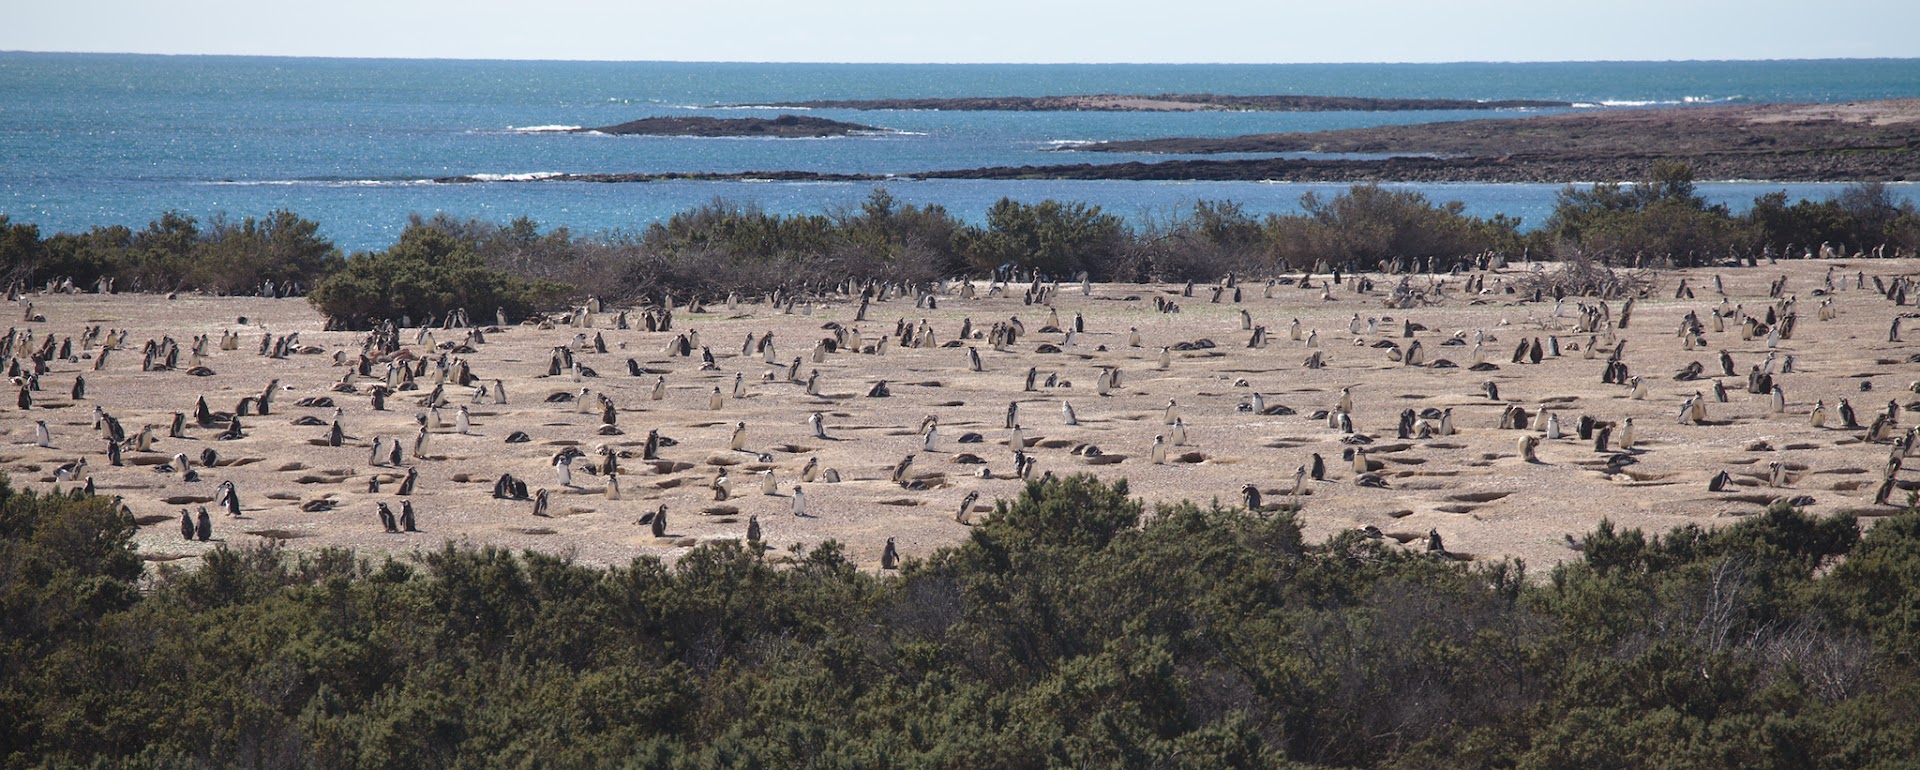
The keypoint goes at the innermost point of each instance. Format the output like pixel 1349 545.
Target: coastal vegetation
pixel 440 263
pixel 1073 627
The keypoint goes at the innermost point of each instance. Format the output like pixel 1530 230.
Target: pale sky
pixel 1278 31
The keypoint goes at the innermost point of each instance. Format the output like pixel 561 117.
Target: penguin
pixel 1626 434
pixel 753 529
pixel 714 400
pixel 203 531
pixel 799 501
pixel 540 503
pixel 738 442
pixel 1819 417
pixel 658 524
pixel 1158 453
pixel 1778 403
pixel 186 525
pixel 1720 482
pixel 1179 432
pixel 1527 445
pixel 229 497
pixel 965 515
pixel 407 522
pixel 1317 468
pixel 973 359
pixel 817 422
pixel 408 481
pixel 1066 413
pixel 811 470
pixel 463 422
pixel 890 556
pixel 1847 418
pixel 41 436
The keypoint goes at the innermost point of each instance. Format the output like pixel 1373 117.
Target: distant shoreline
pixel 1167 103
pixel 1873 141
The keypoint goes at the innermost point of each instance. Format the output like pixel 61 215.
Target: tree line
pixel 1072 627
pixel 440 263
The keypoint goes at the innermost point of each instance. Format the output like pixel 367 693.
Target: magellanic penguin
pixel 1158 453
pixel 799 501
pixel 890 556
pixel 965 515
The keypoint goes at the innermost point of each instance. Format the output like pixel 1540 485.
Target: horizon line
pixel 339 57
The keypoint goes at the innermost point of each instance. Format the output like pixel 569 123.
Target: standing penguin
pixel 204 531
pixel 799 501
pixel 186 525
pixel 407 523
pixel 890 557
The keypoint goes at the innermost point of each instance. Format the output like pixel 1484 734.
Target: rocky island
pixel 1172 103
pixel 1861 141
pixel 784 126
pixel 1877 141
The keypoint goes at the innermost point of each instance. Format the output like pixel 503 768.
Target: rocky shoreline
pixel 1171 103
pixel 1858 142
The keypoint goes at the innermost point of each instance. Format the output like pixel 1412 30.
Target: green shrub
pixel 427 274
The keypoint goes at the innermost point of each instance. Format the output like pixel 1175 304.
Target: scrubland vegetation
pixel 440 263
pixel 1072 628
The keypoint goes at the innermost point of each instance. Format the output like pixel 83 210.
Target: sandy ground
pixel 1472 486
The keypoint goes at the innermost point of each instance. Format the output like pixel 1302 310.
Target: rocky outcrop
pixel 785 126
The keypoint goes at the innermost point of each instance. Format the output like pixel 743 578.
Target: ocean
pixel 101 139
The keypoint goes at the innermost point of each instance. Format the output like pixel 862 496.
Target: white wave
pixel 542 129
pixel 534 176
pixel 1068 142
pixel 1661 102
pixel 319 182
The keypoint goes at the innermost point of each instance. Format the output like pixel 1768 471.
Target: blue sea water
pixel 97 139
